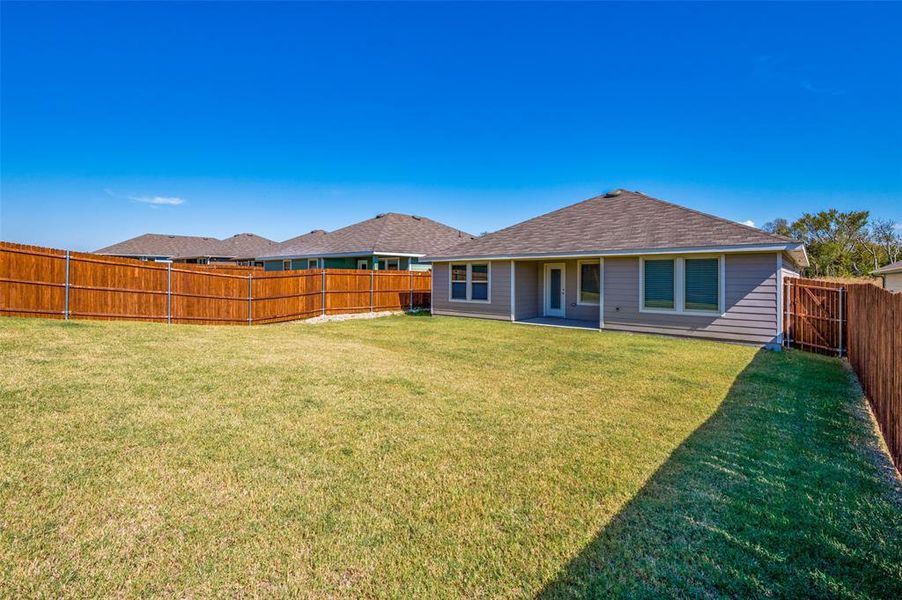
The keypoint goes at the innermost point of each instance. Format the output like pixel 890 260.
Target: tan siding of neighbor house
pixel 750 302
pixel 499 306
pixel 893 282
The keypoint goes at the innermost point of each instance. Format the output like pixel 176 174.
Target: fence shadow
pixel 771 496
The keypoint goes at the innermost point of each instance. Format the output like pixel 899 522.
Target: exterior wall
pixel 750 302
pixel 276 265
pixel 530 300
pixel 340 262
pixel 499 306
pixel 527 303
pixel 893 282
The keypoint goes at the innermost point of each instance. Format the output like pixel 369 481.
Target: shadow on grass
pixel 776 494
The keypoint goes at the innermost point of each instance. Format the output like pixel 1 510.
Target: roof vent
pixel 380 215
pixel 416 217
pixel 317 231
pixel 613 193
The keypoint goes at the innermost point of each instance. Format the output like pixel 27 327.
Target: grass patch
pixel 413 456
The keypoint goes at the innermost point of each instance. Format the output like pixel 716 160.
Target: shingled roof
pixel 895 267
pixel 386 234
pixel 246 245
pixel 242 245
pixel 617 222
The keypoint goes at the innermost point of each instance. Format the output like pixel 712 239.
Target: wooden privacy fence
pixel 814 315
pixel 857 320
pixel 42 282
pixel 875 353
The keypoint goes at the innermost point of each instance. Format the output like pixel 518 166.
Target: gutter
pixel 630 252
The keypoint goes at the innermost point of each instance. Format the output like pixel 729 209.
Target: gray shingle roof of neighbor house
pixel 386 233
pixel 189 246
pixel 245 245
pixel 895 267
pixel 617 222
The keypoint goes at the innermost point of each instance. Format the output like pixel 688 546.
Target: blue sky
pixel 212 119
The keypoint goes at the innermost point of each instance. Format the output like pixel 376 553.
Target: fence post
pixel 411 289
pixel 372 290
pixel 839 350
pixel 323 302
pixel 169 293
pixel 66 293
pixel 787 320
pixel 250 297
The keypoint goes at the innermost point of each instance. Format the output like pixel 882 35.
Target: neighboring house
pixel 892 276
pixel 190 249
pixel 389 241
pixel 628 262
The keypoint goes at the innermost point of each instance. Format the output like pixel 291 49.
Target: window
pixel 286 265
pixel 312 263
pixel 459 282
pixel 390 264
pixel 470 282
pixel 589 283
pixel 659 277
pixel 363 263
pixel 682 285
pixel 479 282
pixel 702 285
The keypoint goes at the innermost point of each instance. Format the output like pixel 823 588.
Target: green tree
pixel 837 242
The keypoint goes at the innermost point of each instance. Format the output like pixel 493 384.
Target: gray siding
pixel 531 291
pixel 527 304
pixel 750 302
pixel 499 292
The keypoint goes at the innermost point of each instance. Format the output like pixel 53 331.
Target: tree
pixel 835 241
pixel 889 239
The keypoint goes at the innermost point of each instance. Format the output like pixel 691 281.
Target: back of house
pixel 628 262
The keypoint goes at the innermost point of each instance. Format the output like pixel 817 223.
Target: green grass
pixel 432 457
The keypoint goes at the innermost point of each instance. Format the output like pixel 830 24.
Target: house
pixel 389 241
pixel 190 249
pixel 892 276
pixel 623 261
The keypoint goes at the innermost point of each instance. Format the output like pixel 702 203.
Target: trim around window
pixel 679 285
pixel 579 281
pixel 468 282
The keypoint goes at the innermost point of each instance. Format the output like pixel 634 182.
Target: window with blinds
pixel 702 284
pixel 658 284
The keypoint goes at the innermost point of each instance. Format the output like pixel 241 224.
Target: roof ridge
pixel 381 228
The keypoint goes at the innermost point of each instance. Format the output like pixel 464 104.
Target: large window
pixel 470 282
pixel 659 277
pixel 682 285
pixel 702 284
pixel 589 283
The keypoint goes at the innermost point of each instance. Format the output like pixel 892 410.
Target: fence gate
pixel 815 316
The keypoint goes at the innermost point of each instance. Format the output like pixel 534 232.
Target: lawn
pixel 432 457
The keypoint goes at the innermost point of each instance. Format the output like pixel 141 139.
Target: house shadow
pixel 776 494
